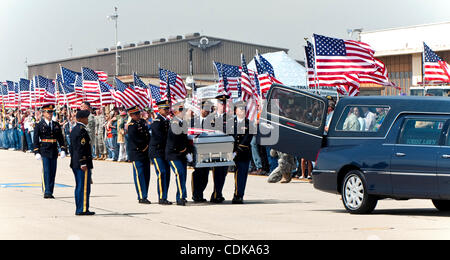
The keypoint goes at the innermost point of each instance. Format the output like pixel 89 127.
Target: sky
pixel 38 31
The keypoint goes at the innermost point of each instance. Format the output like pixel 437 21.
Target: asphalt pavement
pixel 272 211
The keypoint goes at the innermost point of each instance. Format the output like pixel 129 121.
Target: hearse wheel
pixel 354 194
pixel 442 205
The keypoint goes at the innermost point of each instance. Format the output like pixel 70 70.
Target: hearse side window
pixel 421 132
pixel 297 107
pixel 362 119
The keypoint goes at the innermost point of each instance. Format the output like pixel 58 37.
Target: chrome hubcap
pixel 354 193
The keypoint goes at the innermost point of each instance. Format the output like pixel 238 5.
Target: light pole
pixel 115 18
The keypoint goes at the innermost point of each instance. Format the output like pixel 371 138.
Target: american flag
pixel 50 93
pixel 41 90
pixel 78 86
pixel 69 77
pixel 106 95
pixel 177 88
pixel 4 93
pixel 102 76
pixel 142 88
pixel 310 65
pixel 128 96
pixel 91 85
pixel 11 95
pixel 61 97
pixel 25 94
pixel 229 76
pixel 73 100
pixel 266 75
pixel 156 96
pixel 246 82
pixel 380 77
pixel 435 68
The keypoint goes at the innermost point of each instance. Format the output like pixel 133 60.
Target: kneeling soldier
pixel 47 135
pixel 178 152
pixel 81 163
pixel 138 144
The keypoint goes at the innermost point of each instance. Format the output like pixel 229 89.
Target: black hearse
pixel 376 147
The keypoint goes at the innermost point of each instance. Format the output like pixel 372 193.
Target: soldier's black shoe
pixel 144 201
pixel 48 196
pixel 238 200
pixel 217 200
pixel 199 200
pixel 181 202
pixel 88 213
pixel 165 202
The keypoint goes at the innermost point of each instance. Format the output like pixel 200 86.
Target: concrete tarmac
pixel 272 211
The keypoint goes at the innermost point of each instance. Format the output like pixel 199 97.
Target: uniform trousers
pixel 219 176
pixel 240 178
pixel 199 182
pixel 82 189
pixel 162 168
pixel 180 169
pixel 49 166
pixel 141 175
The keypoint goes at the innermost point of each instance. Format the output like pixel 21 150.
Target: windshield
pixel 438 92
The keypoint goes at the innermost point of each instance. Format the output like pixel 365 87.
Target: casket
pixel 213 150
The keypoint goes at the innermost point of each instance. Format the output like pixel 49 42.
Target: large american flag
pixel 91 85
pixel 50 93
pixel 266 75
pixel 74 101
pixel 246 82
pixel 128 96
pixel 4 93
pixel 25 93
pixel 69 77
pixel 11 95
pixel 102 76
pixel 177 88
pixel 229 76
pixel 435 68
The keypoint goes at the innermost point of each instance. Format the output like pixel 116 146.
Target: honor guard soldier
pixel 242 150
pixel 138 145
pixel 81 163
pixel 178 151
pixel 47 135
pixel 200 175
pixel 220 124
pixel 160 130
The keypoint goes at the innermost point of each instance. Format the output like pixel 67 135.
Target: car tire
pixel 354 194
pixel 442 205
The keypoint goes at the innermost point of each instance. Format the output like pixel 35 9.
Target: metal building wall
pixel 400 72
pixel 170 55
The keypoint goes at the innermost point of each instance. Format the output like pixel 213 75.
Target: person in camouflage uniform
pixel 91 123
pixel 100 148
pixel 286 164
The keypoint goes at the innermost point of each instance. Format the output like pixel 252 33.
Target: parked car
pixel 376 147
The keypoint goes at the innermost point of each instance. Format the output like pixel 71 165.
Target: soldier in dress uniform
pixel 47 135
pixel 242 150
pixel 159 130
pixel 220 124
pixel 138 145
pixel 200 175
pixel 81 163
pixel 178 151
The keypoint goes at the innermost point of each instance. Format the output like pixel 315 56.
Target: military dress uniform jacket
pixel 160 129
pixel 178 145
pixel 46 139
pixel 138 140
pixel 80 148
pixel 242 139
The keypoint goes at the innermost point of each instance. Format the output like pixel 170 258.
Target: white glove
pixel 234 155
pixel 38 157
pixel 63 155
pixel 189 158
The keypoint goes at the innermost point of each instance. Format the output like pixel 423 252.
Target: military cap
pixel 207 104
pixel 83 114
pixel 240 104
pixel 163 104
pixel 223 97
pixel 134 110
pixel 48 108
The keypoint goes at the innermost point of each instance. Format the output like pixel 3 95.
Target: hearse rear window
pixel 362 119
pixel 298 107
pixel 421 132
